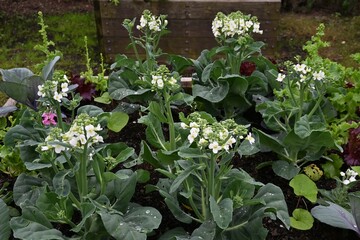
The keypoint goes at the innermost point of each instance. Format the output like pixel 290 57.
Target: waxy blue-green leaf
pixel 222 212
pixel 33 224
pixel 62 185
pixel 48 70
pixel 336 216
pixel 5 230
pixel 211 94
pixel 285 169
pixel 27 188
pixel 134 225
pixel 91 110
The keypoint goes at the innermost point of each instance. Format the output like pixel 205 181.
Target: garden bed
pixel 176 152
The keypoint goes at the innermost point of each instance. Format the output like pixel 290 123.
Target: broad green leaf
pixel 87 210
pixel 51 204
pixel 147 155
pixel 354 199
pixel 33 225
pixel 301 219
pixel 48 70
pixel 61 184
pixel 207 230
pixel 124 188
pixel 179 62
pixel 143 176
pixel 285 169
pixel 27 188
pixel 302 127
pixel 172 202
pixel 247 223
pixel 15 74
pixel 182 177
pixel 18 134
pixel 192 153
pixel 156 109
pixel 356 169
pixel 117 121
pixel 335 216
pixel 154 132
pixel 5 230
pixel 133 225
pixel 237 84
pixel 91 110
pixel 304 186
pixel 177 233
pixel 222 212
pixel 269 142
pixel 211 94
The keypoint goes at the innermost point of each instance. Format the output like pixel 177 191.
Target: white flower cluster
pixel 151 22
pixel 82 131
pixel 216 136
pixel 54 89
pixel 235 24
pixel 304 73
pixel 348 176
pixel 162 78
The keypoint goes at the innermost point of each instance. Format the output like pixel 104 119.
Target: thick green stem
pixel 83 174
pixel 170 120
pixel 59 117
pixel 317 104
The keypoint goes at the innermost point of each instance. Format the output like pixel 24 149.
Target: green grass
pixel 341 32
pixel 20 35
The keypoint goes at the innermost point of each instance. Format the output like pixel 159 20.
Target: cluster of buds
pixel 349 176
pixel 56 89
pixel 151 22
pixel 303 73
pixel 235 25
pixel 216 136
pixel 82 132
pixel 162 78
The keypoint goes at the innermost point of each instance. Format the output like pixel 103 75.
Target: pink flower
pixel 48 118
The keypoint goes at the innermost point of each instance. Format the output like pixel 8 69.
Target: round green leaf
pixel 301 219
pixel 304 186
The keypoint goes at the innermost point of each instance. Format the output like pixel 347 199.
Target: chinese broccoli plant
pixel 224 200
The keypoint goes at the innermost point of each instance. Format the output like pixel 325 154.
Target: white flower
pixel 57 96
pixel 215 147
pixel 302 78
pixel 342 174
pixel 207 131
pixel 74 141
pixel 98 138
pixel 280 77
pixel 183 125
pixel 160 83
pixel 64 87
pixel 172 81
pixel 90 131
pixel 250 138
pixel 194 131
pixel 59 148
pixel 41 92
pixel 143 22
pixel 191 138
pixel 319 75
pixel 223 134
pixel 257 28
pixel 346 182
pixel 44 148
